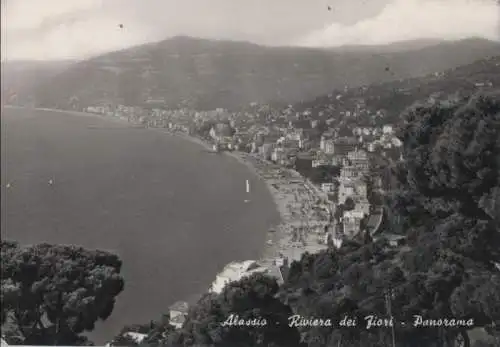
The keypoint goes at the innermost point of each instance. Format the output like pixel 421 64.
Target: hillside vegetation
pixel 20 76
pixel 205 74
pixel 394 97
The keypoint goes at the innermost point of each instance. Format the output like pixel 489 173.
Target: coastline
pixel 295 197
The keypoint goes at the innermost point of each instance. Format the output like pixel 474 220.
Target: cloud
pixel 62 29
pixel 76 29
pixel 415 19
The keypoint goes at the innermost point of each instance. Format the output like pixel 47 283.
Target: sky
pixel 77 29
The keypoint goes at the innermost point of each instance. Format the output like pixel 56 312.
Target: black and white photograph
pixel 250 173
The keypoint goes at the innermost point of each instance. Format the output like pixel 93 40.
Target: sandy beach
pixel 300 207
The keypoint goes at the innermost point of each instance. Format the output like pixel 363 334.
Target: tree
pixel 452 160
pixel 53 293
pixel 323 174
pixel 252 298
pixel 124 340
pixel 451 169
pixel 349 204
pixel 451 153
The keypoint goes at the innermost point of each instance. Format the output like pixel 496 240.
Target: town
pixel 328 184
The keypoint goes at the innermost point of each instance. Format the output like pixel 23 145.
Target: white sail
pixel 248 186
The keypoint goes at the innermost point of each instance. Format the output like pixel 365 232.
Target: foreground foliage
pixel 51 294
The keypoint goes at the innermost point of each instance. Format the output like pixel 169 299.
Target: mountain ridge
pixel 206 74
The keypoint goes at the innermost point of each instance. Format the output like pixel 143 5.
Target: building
pixel 346 190
pixel 266 150
pixel 396 142
pixel 320 162
pixel 178 312
pixel 363 206
pixel 356 156
pixel 387 129
pixel 137 337
pixel 371 147
pixel 352 222
pixel 231 273
pixel 348 173
pixel 374 222
pixel 394 240
pixel 327 146
pixel 354 188
pixel 359 159
pixel 328 187
pixel 361 190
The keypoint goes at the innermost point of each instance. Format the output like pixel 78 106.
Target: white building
pixel 396 142
pixel 349 172
pixel 329 146
pixel 178 313
pixel 387 129
pixel 363 206
pixel 137 337
pixel 357 156
pixel 328 187
pixel 346 189
pixel 352 222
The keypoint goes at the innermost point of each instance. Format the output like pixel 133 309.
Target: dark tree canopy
pixel 349 204
pixel 53 293
pixel 322 174
pixel 443 200
pixel 251 298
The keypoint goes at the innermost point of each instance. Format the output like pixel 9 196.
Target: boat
pixel 247 184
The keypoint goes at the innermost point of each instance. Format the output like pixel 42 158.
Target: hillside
pixel 207 74
pixel 395 96
pixel 399 46
pixel 21 76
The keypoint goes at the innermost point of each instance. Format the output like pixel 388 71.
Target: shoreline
pixel 294 196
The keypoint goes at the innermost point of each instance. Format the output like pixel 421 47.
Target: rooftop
pixel 135 336
pixel 180 306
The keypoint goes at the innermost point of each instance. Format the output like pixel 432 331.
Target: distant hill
pixel 22 76
pixel 206 74
pixel 394 97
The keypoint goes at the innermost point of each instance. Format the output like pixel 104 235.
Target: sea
pixel 174 212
